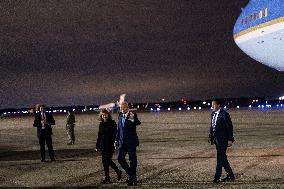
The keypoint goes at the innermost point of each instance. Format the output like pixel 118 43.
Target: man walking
pixel 127 140
pixel 221 134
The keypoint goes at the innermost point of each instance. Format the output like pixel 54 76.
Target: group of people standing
pixel 110 136
pixel 123 135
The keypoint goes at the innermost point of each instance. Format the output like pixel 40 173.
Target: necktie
pixel 43 119
pixel 123 119
pixel 214 119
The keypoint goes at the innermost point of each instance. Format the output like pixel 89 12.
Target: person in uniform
pixel 70 124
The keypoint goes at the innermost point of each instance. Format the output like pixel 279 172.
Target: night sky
pixel 89 52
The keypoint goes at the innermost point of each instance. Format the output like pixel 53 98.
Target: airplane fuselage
pixel 259 32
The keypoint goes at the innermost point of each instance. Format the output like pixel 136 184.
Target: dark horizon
pixel 90 52
pixel 242 100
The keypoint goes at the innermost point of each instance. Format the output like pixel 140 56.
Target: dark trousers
pixel 129 169
pixel 70 133
pixel 222 161
pixel 46 138
pixel 107 161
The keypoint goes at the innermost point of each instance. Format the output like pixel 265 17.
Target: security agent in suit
pixel 221 134
pixel 127 140
pixel 43 122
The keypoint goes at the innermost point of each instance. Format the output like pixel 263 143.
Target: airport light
pixel 262 106
pixel 277 105
pixel 204 102
pixel 151 109
pixel 238 107
pixel 249 106
pixel 209 104
pixel 194 107
pixel 169 109
pixel 158 109
pixel 258 106
pixel 5 113
pixel 268 106
pixel 225 107
pixel 179 109
pixel 199 108
pixel 211 108
pixel 188 108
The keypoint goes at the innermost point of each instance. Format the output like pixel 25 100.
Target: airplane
pixel 259 32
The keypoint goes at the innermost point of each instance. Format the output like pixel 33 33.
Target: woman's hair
pixel 104 111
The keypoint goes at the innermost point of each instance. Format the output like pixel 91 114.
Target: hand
pixel 230 143
pixel 43 122
pixel 209 140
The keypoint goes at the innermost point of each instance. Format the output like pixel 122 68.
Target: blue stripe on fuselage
pixel 275 9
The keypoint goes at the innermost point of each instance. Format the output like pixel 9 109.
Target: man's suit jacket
pixel 130 137
pixel 223 129
pixel 37 123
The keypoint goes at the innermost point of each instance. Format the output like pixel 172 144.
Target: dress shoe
pixel 106 180
pixel 228 179
pixel 132 183
pixel 216 181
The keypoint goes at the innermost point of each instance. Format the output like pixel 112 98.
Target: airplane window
pixel 255 16
pixel 265 12
pixel 250 18
pixel 260 14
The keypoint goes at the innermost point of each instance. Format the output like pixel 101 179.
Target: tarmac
pixel 173 152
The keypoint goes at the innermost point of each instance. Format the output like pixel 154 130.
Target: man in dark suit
pixel 43 122
pixel 127 140
pixel 221 134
